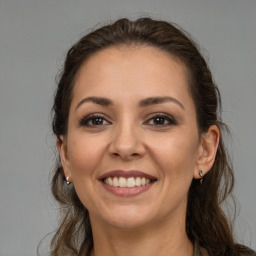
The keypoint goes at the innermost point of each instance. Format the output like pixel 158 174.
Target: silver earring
pixel 201 174
pixel 67 180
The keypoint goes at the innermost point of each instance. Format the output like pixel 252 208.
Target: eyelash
pixel 93 117
pixel 152 117
pixel 163 117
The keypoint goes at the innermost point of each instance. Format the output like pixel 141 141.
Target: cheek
pixel 176 156
pixel 84 154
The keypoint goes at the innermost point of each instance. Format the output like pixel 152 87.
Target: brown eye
pixel 161 120
pixel 94 120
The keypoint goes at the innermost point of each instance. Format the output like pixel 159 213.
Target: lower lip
pixel 127 192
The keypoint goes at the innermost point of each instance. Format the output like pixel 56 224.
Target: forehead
pixel 136 71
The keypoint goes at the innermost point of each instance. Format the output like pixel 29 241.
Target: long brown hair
pixel 205 220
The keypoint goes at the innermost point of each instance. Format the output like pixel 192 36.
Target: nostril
pixel 126 150
pixel 125 155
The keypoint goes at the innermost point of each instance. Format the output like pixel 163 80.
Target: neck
pixel 155 239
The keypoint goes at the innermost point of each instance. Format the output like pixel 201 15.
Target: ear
pixel 207 151
pixel 62 148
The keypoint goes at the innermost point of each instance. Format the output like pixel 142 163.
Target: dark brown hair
pixel 205 220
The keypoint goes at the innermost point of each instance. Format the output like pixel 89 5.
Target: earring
pixel 201 174
pixel 67 180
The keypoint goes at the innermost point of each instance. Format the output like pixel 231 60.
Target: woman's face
pixel 132 146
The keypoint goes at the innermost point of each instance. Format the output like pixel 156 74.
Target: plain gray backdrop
pixel 34 37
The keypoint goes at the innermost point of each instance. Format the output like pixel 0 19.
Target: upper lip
pixel 126 174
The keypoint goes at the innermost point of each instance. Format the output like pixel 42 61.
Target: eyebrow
pixel 143 103
pixel 158 100
pixel 97 100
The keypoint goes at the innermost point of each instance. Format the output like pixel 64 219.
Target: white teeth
pixel 109 181
pixel 130 182
pixel 115 182
pixel 122 182
pixel 138 181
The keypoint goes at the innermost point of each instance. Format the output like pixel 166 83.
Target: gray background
pixel 34 36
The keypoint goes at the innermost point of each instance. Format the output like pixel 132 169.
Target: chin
pixel 128 218
pixel 128 223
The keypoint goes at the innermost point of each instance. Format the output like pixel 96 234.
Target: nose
pixel 126 143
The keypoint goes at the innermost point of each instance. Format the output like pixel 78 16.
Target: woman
pixel 143 167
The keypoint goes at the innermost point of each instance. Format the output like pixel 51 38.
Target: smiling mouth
pixel 129 182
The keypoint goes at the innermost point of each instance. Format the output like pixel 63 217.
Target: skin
pixel 127 137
